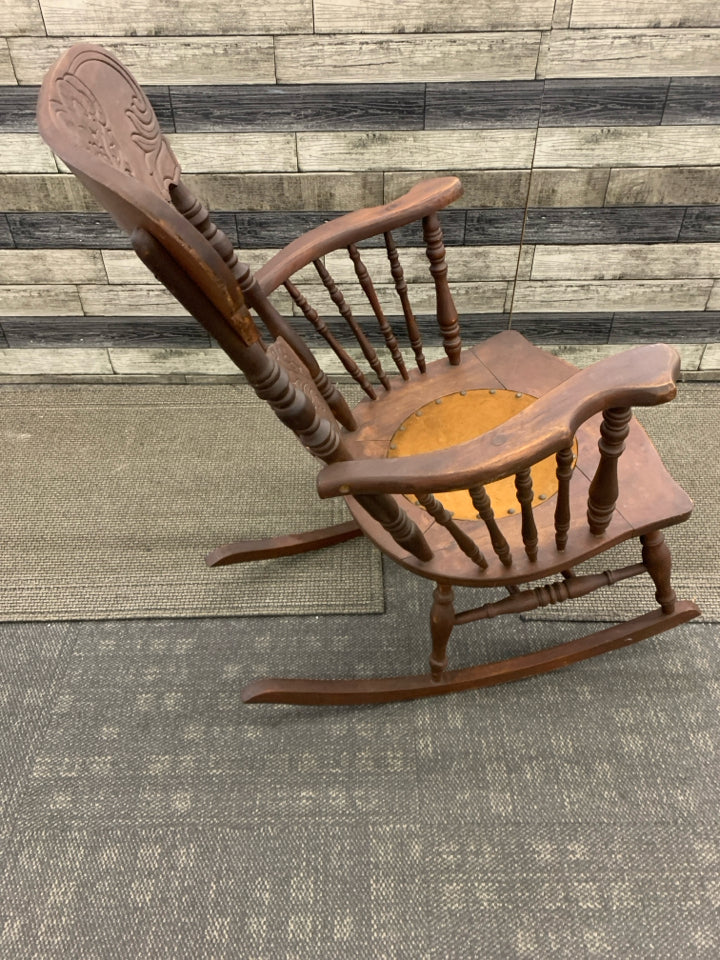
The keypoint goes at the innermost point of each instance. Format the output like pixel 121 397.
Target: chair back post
pixel 603 492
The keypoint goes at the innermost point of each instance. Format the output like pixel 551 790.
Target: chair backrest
pixel 97 119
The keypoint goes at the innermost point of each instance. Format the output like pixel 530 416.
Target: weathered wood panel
pixel 714 299
pixel 602 224
pixel 18 106
pixel 603 102
pixel 415 150
pixel 563 327
pixel 363 106
pixel 39 300
pixel 693 100
pixel 170 360
pixel 235 152
pixel 51 266
pixel 489 227
pixel 627 260
pixel 663 186
pixel 628 146
pixel 48 332
pixel 21 18
pixel 25 153
pixel 94 18
pixel 553 295
pixel 645 13
pixel 161 60
pixel 430 16
pixel 514 104
pixel 6 239
pixel 562 187
pixel 583 356
pixel 440 57
pixel 481 188
pixel 701 224
pixel 671 327
pixel 48 362
pixel 289 191
pixel 7 73
pixel 41 192
pixel 711 357
pixel 630 53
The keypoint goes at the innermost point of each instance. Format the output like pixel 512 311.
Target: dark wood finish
pixel 469 106
pixel 243 551
pixel 693 100
pixel 603 103
pixel 699 225
pixel 93 114
pixel 600 225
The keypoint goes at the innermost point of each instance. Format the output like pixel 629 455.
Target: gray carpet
pixel 686 433
pixel 146 813
pixel 112 496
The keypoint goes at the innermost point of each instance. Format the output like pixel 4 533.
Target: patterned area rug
pixel 112 496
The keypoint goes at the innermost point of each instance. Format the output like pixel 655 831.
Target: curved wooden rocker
pixel 498 465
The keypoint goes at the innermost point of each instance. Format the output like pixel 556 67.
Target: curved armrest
pixel 644 376
pixel 424 198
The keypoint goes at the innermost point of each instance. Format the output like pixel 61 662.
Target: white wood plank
pixel 564 187
pixel 697 145
pixel 469 297
pixel 714 300
pixel 129 361
pixel 51 266
pixel 379 59
pixel 7 73
pixel 161 60
pixel 145 300
pixel 583 356
pixel 21 18
pixel 235 152
pixel 564 296
pixel 627 260
pixel 39 300
pixel 464 264
pixel 93 18
pixel 645 13
pixel 25 153
pixel 631 53
pixel 32 362
pixel 288 191
pixel 561 14
pixel 711 357
pixel 436 16
pixel 415 150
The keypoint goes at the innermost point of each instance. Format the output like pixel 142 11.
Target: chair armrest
pixel 644 376
pixel 424 198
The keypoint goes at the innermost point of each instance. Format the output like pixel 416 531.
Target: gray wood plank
pixel 626 260
pixel 562 187
pixel 658 186
pixel 6 238
pixel 644 13
pixel 169 360
pixel 25 153
pixel 18 105
pixel 23 332
pixel 51 266
pixel 7 71
pixel 693 100
pixel 158 60
pixel 614 102
pixel 254 152
pixel 494 226
pixel 288 191
pixel 475 105
pixel 630 53
pixel 612 295
pixel 563 327
pixel 420 57
pixel 361 106
pixel 628 146
pixel 72 360
pixel 191 17
pixel 481 188
pixel 34 300
pixel 93 230
pixel 25 192
pixel 696 326
pixel 426 16
pixel 701 224
pixel 603 225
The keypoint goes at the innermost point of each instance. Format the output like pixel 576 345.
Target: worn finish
pixel 97 119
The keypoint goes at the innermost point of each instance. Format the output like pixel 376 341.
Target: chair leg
pixel 442 621
pixel 657 559
pixel 241 551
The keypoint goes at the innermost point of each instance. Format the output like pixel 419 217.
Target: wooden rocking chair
pixel 494 466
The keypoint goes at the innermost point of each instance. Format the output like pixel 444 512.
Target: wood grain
pixel 415 150
pixel 481 188
pixel 582 355
pixel 51 266
pixel 711 357
pixel 95 18
pixel 601 224
pixel 71 361
pixel 21 18
pixel 25 153
pixel 160 60
pixel 288 191
pixel 601 102
pixel 645 13
pixel 565 187
pixel 672 327
pixel 693 100
pixel 626 260
pixel 41 192
pixel 714 300
pixel 39 300
pixel 235 152
pixel 630 53
pixel 7 72
pixel 514 103
pixel 170 360
pixel 701 224
pixel 628 146
pixel 427 57
pixel 663 186
pixel 430 16
pixel 550 295
pixel 26 332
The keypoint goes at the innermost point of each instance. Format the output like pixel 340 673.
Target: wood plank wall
pixel 587 134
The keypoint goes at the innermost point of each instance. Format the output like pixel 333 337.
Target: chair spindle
pixel 447 315
pixel 445 518
pixel 311 314
pixel 398 276
pixel 369 290
pixel 564 459
pixel 344 309
pixel 603 492
pixel 481 502
pixel 524 489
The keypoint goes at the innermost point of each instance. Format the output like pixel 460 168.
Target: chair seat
pixel 508 362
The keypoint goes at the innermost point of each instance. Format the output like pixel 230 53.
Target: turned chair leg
pixel 657 559
pixel 442 621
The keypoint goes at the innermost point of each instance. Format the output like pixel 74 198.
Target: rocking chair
pixel 494 466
